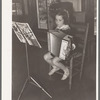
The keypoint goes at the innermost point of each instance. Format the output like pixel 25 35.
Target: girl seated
pixel 62 24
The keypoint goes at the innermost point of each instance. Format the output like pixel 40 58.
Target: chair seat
pixel 74 55
pixel 77 54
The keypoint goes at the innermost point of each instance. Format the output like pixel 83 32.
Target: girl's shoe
pixel 66 74
pixel 53 70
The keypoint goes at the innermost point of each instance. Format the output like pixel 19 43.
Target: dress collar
pixel 64 27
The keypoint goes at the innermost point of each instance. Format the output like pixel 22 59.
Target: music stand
pixel 24 38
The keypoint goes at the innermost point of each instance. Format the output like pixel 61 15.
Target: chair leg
pixel 50 67
pixel 81 67
pixel 70 73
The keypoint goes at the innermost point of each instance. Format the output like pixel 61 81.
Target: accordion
pixel 59 44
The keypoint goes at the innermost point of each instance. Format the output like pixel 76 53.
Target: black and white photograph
pixel 53 50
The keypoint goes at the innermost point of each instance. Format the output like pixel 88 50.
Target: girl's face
pixel 59 21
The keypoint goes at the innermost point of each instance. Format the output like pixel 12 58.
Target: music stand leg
pixel 29 77
pixel 40 87
pixel 23 88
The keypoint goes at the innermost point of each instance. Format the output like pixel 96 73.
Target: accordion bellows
pixel 58 43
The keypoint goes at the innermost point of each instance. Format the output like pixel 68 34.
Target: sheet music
pixel 26 31
pixel 18 33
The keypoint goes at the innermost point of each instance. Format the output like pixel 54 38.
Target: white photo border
pixel 6 70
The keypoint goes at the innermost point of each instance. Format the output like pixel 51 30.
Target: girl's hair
pixel 65 14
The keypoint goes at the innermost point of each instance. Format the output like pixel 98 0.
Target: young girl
pixel 62 23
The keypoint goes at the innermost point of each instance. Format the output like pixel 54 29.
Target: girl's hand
pixel 73 46
pixel 65 27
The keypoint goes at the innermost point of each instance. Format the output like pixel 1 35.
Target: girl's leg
pixel 56 62
pixel 48 58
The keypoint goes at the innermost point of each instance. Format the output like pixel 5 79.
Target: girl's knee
pixel 55 61
pixel 47 56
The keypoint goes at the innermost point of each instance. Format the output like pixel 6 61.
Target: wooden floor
pixel 84 89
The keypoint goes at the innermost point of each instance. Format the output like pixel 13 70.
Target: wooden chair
pixel 76 60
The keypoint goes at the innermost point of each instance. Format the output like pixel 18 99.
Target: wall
pixel 76 4
pixel 31 14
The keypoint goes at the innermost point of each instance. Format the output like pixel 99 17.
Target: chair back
pixel 81 35
pixel 80 17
